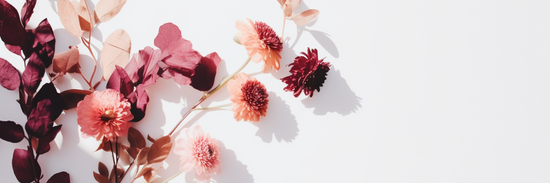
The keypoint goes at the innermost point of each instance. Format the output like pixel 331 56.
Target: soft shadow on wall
pixel 279 121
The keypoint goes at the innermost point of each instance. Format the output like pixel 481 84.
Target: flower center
pixel 108 115
pixel 205 153
pixel 268 36
pixel 255 95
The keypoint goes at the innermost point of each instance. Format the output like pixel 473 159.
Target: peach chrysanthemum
pixel 198 150
pixel 249 98
pixel 261 43
pixel 104 114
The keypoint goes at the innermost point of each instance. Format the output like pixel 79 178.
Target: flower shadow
pixel 325 100
pixel 233 170
pixel 279 121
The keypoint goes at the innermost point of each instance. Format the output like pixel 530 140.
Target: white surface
pixel 418 91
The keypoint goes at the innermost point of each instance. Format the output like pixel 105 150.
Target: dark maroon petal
pixel 48 91
pixel 44 42
pixel 205 72
pixel 44 142
pixel 72 97
pixel 11 131
pixel 39 122
pixel 27 10
pixel 25 167
pixel 12 32
pixel 120 81
pixel 61 177
pixel 9 76
pixel 32 76
pixel 139 100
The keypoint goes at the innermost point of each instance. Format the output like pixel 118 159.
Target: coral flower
pixel 198 150
pixel 104 113
pixel 261 43
pixel 249 98
pixel 308 74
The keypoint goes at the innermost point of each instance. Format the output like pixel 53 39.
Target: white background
pixel 418 91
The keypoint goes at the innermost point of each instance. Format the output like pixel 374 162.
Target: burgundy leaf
pixel 25 167
pixel 132 152
pixel 205 72
pixel 14 49
pixel 44 142
pixel 48 91
pixel 102 169
pixel 150 138
pixel 72 97
pixel 11 131
pixel 44 42
pixel 27 47
pixel 139 100
pixel 61 177
pixel 142 156
pixel 100 178
pixel 120 81
pixel 39 123
pixel 7 11
pixel 32 76
pixel 27 10
pixel 9 76
pixel 159 150
pixel 24 101
pixel 12 32
pixel 135 138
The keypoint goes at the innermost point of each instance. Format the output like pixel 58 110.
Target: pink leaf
pixel 116 51
pixel 107 9
pixel 205 72
pixel 11 131
pixel 69 17
pixel 44 42
pixel 44 142
pixel 84 19
pixel 27 10
pixel 67 61
pixel 305 17
pixel 9 76
pixel 144 68
pixel 14 49
pixel 121 82
pixel 168 34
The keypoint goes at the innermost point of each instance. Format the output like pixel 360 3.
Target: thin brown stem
pixel 87 82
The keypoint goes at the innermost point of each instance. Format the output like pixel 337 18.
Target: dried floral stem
pixel 206 95
pixel 169 179
pixel 283 33
pixel 114 163
pixel 216 107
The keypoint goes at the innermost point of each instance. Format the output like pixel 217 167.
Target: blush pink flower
pixel 308 74
pixel 249 98
pixel 104 114
pixel 198 150
pixel 261 43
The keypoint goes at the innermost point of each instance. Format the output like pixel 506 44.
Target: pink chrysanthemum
pixel 198 150
pixel 104 114
pixel 261 43
pixel 249 98
pixel 308 74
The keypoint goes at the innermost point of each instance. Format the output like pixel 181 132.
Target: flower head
pixel 308 74
pixel 249 98
pixel 198 150
pixel 104 114
pixel 261 43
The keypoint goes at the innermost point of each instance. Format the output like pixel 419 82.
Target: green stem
pixel 172 177
pixel 206 95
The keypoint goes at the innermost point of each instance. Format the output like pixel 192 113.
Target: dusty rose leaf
pixel 100 178
pixel 144 170
pixel 116 51
pixel 138 99
pixel 67 61
pixel 281 2
pixel 72 97
pixel 11 131
pixel 105 10
pixel 148 175
pixel 14 49
pixel 293 3
pixel 22 163
pixel 104 145
pixel 103 169
pixel 84 19
pixel 287 10
pixel 121 82
pixel 305 17
pixel 12 32
pixel 44 142
pixel 168 34
pixel 159 150
pixel 61 177
pixel 69 17
pixel 205 72
pixel 32 76
pixel 135 138
pixel 48 91
pixel 9 76
pixel 142 156
pixel 27 10
pixel 43 42
pixel 150 70
pixel 39 121
pixel 134 69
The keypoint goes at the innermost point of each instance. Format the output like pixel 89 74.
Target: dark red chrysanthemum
pixel 268 36
pixel 308 74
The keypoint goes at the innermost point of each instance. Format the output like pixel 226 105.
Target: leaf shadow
pixel 279 121
pixel 68 39
pixel 325 41
pixel 326 101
